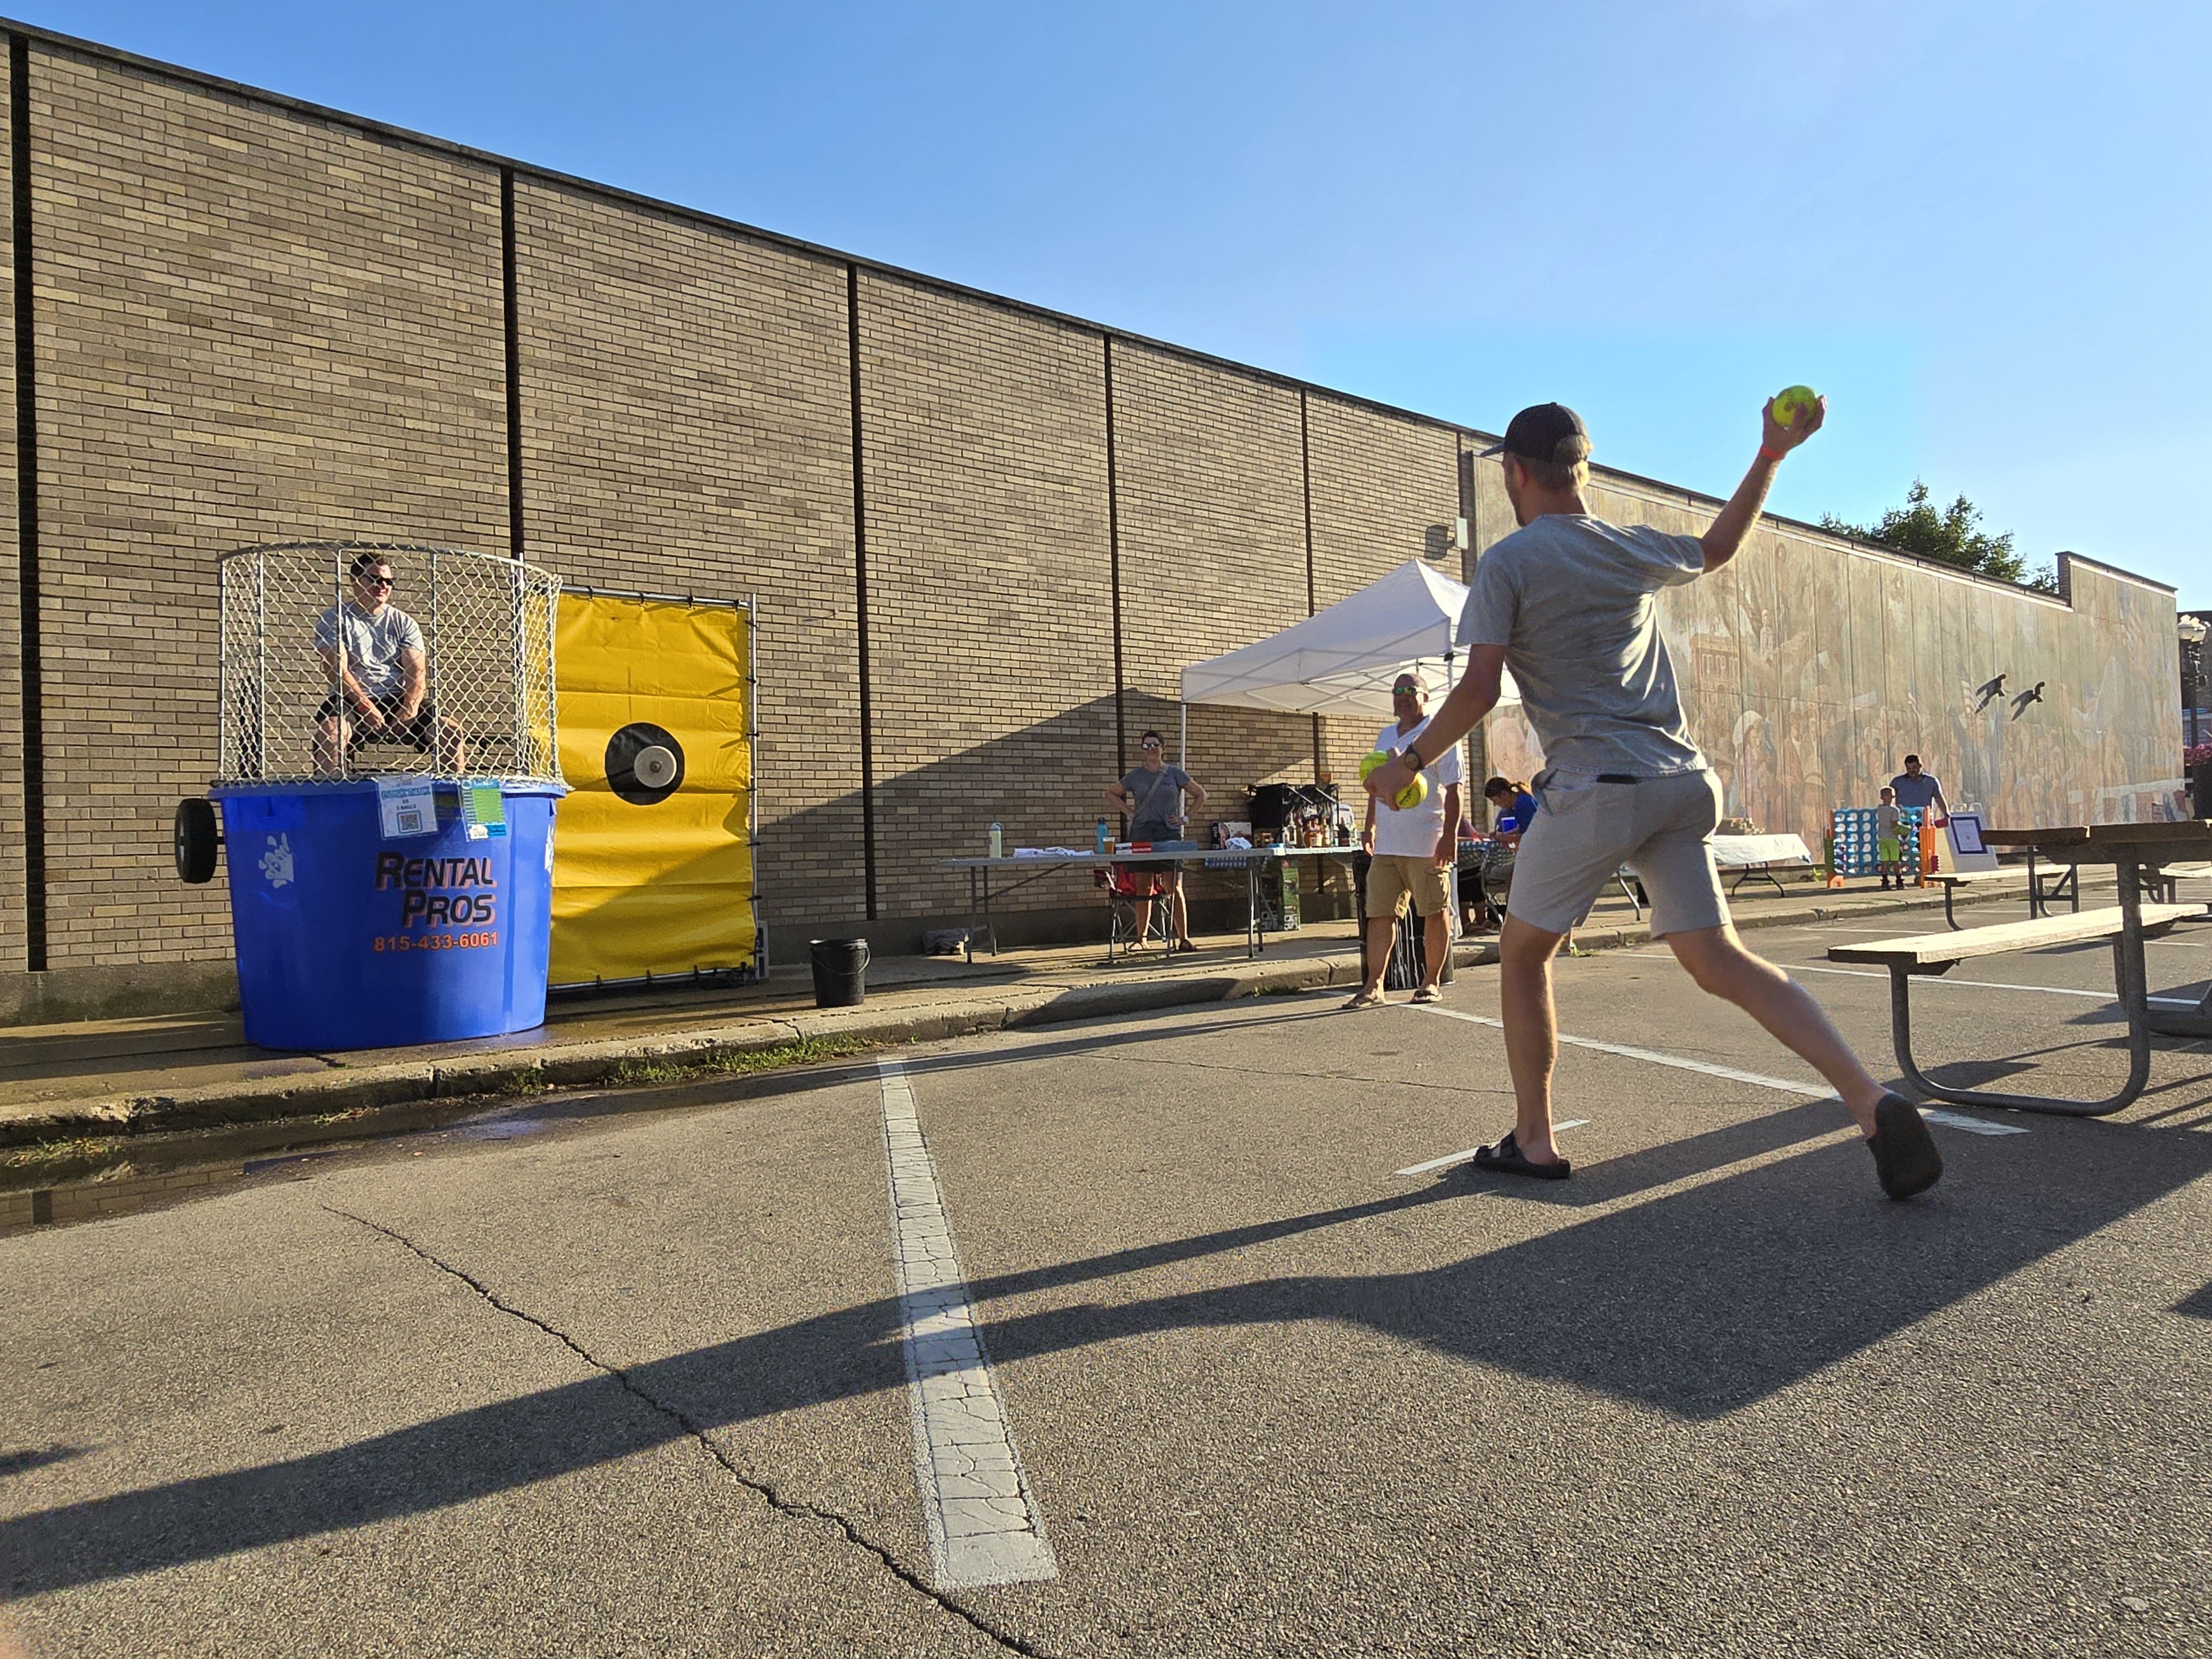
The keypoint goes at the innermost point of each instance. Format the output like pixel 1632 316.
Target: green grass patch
pixel 737 1062
pixel 636 1074
pixel 803 1051
pixel 49 1154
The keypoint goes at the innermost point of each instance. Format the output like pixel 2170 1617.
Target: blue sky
pixel 1982 229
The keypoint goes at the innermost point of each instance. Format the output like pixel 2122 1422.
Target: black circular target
pixel 624 750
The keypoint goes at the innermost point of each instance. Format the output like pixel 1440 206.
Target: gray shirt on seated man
pixel 378 670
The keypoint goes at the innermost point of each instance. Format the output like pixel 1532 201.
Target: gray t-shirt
pixel 1571 600
pixel 1153 798
pixel 373 645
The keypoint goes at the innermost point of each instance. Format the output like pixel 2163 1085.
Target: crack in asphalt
pixel 766 1490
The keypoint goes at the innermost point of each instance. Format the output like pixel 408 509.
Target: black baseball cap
pixel 1546 432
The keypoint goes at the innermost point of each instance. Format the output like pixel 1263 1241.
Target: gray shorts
pixel 1585 830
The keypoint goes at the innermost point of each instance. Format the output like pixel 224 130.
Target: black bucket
pixel 840 972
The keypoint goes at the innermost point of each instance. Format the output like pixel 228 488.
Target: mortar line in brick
pixel 514 536
pixel 860 591
pixel 1305 495
pixel 1114 574
pixel 30 659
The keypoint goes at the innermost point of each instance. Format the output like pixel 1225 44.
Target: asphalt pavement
pixel 572 1376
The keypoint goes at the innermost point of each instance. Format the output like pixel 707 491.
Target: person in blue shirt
pixel 1511 798
pixel 1914 787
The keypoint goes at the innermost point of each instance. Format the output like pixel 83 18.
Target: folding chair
pixel 1126 888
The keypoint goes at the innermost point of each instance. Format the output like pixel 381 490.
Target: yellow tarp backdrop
pixel 665 887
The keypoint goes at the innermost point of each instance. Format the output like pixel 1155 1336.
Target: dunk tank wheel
pixel 196 840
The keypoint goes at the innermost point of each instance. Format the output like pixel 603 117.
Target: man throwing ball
pixel 1567 601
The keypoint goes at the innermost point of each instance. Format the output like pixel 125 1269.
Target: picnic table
pixel 2140 854
pixel 1752 858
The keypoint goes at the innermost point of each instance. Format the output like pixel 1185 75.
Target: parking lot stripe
pixel 1951 984
pixel 1460 1157
pixel 1972 1125
pixel 1679 1061
pixel 983 1522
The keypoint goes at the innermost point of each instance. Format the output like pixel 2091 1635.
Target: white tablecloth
pixel 1734 852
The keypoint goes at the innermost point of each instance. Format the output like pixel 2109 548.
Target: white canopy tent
pixel 1341 661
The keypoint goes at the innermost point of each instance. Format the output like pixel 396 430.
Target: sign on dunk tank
pixel 449 904
pixel 447 900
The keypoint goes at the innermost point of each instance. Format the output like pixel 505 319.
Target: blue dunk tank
pixel 390 775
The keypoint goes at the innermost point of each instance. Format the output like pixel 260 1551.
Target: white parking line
pixel 1971 984
pixel 983 1519
pixel 1782 1085
pixel 1973 1126
pixel 1449 1159
pixel 1679 1061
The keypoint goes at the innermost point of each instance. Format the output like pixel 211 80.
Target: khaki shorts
pixel 1391 880
pixel 1585 830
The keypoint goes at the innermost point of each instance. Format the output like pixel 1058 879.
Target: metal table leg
pixel 968 943
pixel 2129 976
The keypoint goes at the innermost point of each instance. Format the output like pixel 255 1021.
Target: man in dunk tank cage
pixel 381 680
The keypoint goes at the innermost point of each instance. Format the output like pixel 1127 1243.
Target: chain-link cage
pixel 329 674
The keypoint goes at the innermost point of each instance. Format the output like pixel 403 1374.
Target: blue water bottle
pixel 1103 841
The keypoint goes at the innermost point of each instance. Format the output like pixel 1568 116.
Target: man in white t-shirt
pixel 1411 852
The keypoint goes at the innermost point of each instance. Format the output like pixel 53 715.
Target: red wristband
pixel 1766 454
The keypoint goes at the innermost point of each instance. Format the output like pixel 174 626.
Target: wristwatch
pixel 1411 757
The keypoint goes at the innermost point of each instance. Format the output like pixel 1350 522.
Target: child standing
pixel 1888 849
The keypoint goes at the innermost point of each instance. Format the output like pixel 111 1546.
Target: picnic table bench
pixel 1939 953
pixel 2138 854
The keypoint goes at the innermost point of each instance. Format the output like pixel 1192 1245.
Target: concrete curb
pixel 356 1089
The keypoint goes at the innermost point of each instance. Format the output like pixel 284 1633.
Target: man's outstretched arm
pixel 1724 537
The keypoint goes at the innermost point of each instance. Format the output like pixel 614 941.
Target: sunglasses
pixel 1148 745
pixel 376 581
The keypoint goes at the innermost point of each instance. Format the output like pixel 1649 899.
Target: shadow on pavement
pixel 1697 1303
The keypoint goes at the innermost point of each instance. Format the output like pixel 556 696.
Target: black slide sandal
pixel 1506 1158
pixel 1904 1155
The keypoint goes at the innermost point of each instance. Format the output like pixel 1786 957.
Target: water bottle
pixel 1103 841
pixel 998 841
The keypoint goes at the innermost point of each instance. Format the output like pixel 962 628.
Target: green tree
pixel 1952 536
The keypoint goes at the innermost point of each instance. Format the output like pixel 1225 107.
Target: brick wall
pixel 990 592
pixel 687 428
pixel 1211 490
pixel 251 325
pixel 257 321
pixel 1385 489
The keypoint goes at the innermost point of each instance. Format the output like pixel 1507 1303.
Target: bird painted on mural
pixel 2033 694
pixel 1989 691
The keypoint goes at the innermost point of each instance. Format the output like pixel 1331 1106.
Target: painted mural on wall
pixel 1810 673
